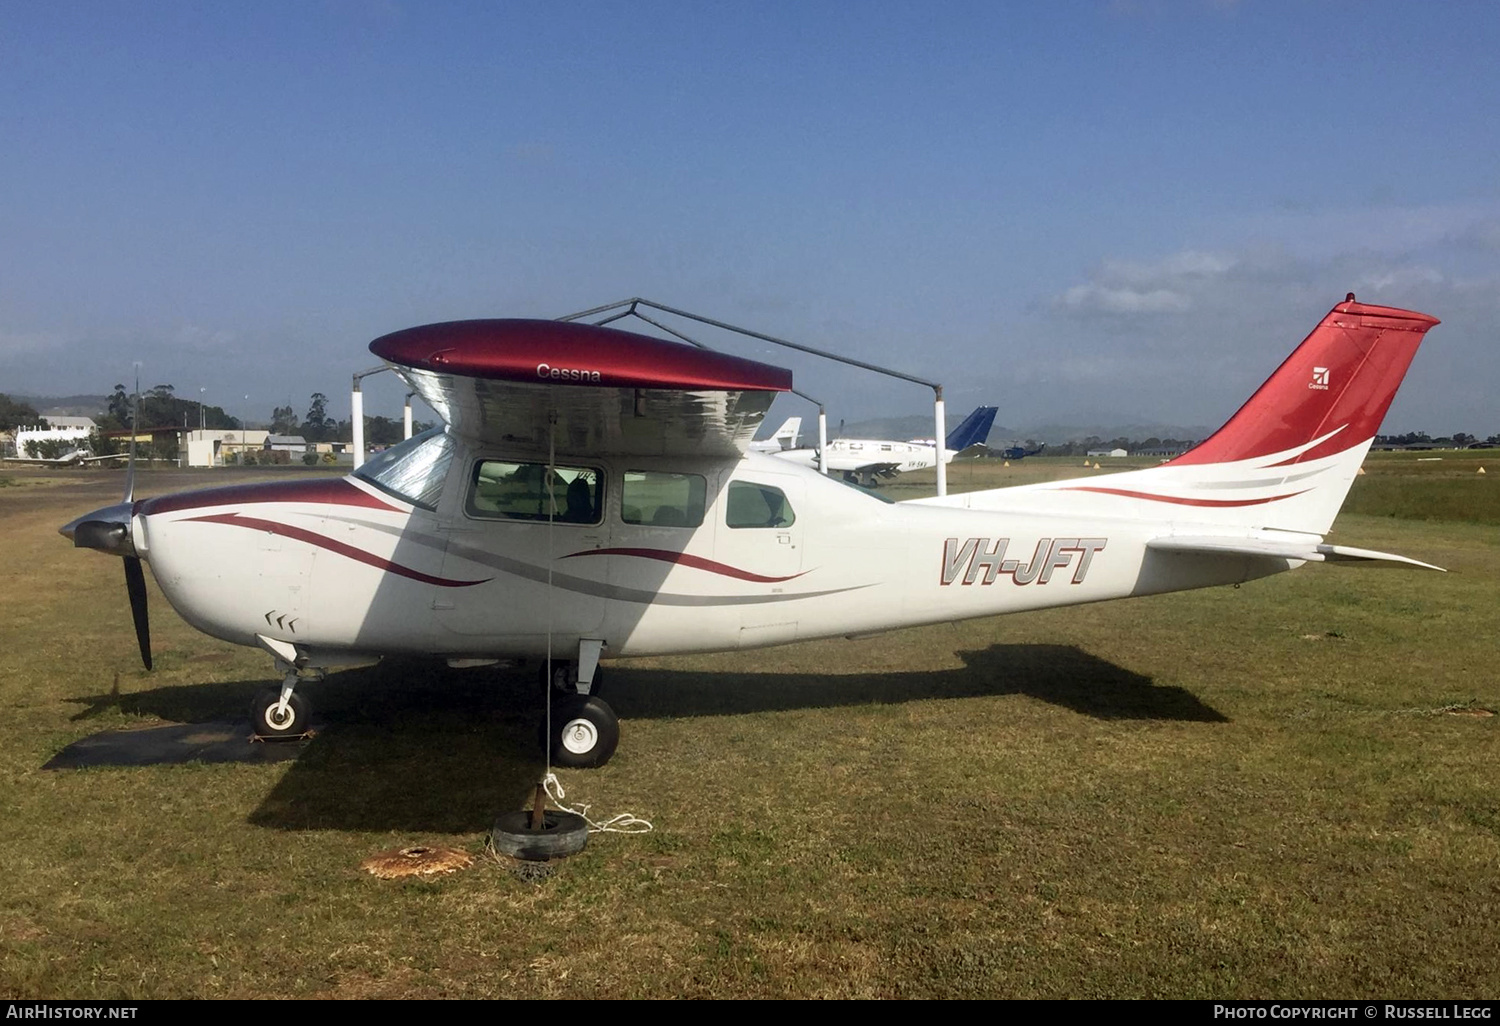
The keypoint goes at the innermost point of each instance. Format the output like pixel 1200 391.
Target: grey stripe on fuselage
pixel 582 585
pixel 1268 483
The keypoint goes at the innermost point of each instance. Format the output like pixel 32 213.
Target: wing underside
pixel 621 421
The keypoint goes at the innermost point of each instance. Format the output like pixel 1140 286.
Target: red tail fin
pixel 1341 379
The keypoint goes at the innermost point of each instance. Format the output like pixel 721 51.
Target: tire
pixel 585 732
pixel 263 720
pixel 565 678
pixel 562 833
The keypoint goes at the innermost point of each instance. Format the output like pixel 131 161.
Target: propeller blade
pixel 135 584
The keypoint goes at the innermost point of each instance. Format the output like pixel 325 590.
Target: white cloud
pixel 1189 263
pixel 1397 278
pixel 1162 286
pixel 1097 297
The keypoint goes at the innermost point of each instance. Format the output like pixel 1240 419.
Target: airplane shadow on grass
pixel 412 745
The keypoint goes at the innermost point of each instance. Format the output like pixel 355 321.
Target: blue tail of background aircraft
pixel 974 429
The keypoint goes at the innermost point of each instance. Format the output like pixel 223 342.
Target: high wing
pixel 601 390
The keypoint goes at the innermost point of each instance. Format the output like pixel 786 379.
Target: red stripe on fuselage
pixel 1182 500
pixel 684 559
pixel 327 491
pixel 313 538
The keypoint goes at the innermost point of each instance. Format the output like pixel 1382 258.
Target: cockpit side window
pixel 413 471
pixel 500 490
pixel 663 500
pixel 757 505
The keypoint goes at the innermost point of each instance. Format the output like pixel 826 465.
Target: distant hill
pixel 900 429
pixel 1052 433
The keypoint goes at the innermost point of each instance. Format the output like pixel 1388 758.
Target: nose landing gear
pixel 281 713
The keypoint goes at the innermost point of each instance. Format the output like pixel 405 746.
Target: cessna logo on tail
pixel 982 563
pixel 1319 379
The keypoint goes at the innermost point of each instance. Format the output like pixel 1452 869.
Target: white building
pixel 208 447
pixel 74 430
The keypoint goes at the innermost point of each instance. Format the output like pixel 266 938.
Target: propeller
pixel 108 530
pixel 135 587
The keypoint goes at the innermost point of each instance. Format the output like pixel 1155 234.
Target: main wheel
pixel 267 722
pixel 585 732
pixel 562 833
pixel 565 678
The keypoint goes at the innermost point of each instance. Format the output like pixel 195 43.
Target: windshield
pixel 413 471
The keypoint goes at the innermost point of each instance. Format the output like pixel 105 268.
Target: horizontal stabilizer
pixel 1269 548
pixel 1347 554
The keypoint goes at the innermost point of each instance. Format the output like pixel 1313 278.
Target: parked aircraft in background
pixel 784 438
pixel 1020 452
pixel 76 458
pixel 864 460
pixel 592 494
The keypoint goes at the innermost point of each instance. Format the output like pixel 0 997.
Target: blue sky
pixel 1080 212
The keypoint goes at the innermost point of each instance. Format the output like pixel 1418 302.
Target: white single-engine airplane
pixel 76 458
pixel 863 460
pixel 592 494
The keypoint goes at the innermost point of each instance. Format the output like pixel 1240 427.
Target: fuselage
pixel 470 551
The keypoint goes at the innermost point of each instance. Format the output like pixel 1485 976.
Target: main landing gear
pixel 584 734
pixel 583 731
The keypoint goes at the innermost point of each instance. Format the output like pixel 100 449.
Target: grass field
pixel 1287 789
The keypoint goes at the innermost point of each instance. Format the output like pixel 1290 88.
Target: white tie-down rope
pixel 624 823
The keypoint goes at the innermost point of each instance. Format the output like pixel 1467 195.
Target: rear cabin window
pixel 662 500
pixel 757 505
pixel 529 491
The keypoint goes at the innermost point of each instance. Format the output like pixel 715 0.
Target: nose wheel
pixel 584 734
pixel 281 712
pixel 270 718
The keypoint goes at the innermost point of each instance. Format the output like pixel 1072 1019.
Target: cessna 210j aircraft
pixel 592 493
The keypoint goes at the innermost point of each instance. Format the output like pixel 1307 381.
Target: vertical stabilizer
pixel 974 429
pixel 1329 396
pixel 1285 460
